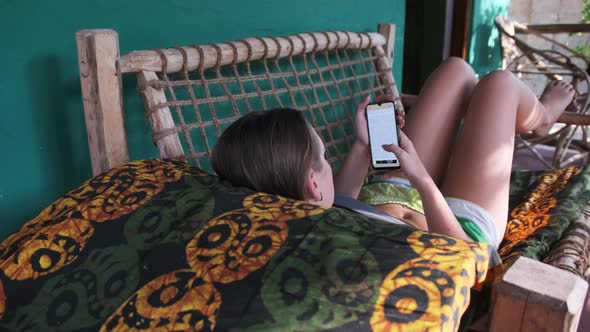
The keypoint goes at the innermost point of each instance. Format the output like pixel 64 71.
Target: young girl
pixel 451 184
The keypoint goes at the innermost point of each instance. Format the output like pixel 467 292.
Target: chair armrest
pixel 559 28
pixel 574 119
pixel 409 100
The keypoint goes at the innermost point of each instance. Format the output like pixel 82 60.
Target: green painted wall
pixel 484 52
pixel 42 131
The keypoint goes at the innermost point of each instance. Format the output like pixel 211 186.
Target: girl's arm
pixel 352 174
pixel 439 217
pixel 350 178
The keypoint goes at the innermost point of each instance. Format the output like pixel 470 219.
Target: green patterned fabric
pixel 379 193
pixel 542 206
pixel 160 245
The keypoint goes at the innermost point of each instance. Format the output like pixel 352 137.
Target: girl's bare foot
pixel 555 98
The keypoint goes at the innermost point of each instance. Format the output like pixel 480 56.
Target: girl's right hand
pixel 410 162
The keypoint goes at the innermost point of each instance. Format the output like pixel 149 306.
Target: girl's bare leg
pixel 500 106
pixel 432 123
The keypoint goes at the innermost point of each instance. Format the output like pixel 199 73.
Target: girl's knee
pixel 502 79
pixel 459 67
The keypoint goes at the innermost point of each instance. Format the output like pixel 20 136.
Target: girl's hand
pixel 362 132
pixel 400 114
pixel 410 162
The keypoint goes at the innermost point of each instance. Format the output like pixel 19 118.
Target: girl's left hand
pixel 362 132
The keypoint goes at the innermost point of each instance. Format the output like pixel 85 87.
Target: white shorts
pixel 483 220
pixel 477 223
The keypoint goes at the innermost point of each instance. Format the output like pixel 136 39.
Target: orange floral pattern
pixel 535 211
pixel 431 291
pixel 160 245
pixel 56 236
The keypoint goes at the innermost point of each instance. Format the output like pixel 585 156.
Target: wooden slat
pixel 409 99
pixel 385 59
pixel 461 24
pixel 149 60
pixel 388 32
pixel 567 117
pixel 574 119
pixel 559 28
pixel 383 65
pixel 98 55
pixel 533 296
pixel 507 313
pixel 385 53
pixel 161 119
pixel 573 245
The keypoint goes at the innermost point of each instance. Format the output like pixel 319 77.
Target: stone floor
pixel 525 160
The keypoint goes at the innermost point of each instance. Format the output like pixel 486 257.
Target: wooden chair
pixel 231 73
pixel 553 61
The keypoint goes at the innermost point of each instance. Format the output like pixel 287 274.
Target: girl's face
pixel 323 177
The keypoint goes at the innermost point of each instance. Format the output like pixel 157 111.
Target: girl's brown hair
pixel 268 151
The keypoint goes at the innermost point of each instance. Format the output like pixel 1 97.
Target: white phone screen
pixel 382 130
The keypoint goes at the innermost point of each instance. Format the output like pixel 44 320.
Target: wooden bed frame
pixel 552 300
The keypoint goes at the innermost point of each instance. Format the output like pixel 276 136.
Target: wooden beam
pixel 533 296
pixel 409 99
pixel 386 62
pixel 559 28
pixel 150 60
pixel 574 119
pixel 100 77
pixel 460 29
pixel 160 117
pixel 566 253
pixel 383 65
pixel 388 32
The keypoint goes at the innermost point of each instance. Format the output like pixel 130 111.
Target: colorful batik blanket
pixel 160 245
pixel 543 205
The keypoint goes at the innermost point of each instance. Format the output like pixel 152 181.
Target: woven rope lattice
pixel 326 80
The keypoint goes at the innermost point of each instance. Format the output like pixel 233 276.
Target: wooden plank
pixel 98 56
pixel 538 318
pixel 507 313
pixel 558 28
pixel 409 99
pixel 566 254
pixel 574 118
pixel 531 293
pixel 388 32
pixel 460 29
pixel 161 118
pixel 383 65
pixel 385 60
pixel 150 60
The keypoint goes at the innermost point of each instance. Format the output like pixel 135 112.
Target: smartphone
pixel 382 130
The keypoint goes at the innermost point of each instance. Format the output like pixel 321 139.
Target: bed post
pixel 533 296
pixel 388 31
pixel 160 118
pixel 100 78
